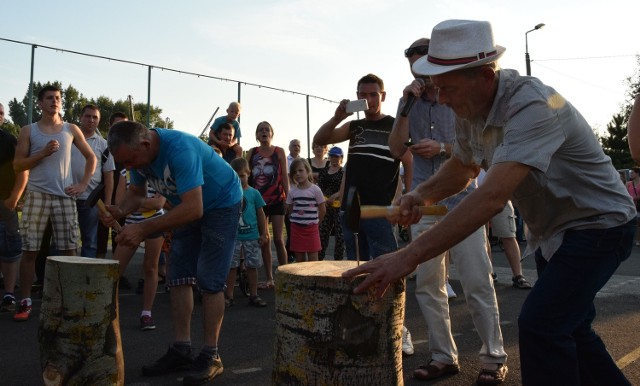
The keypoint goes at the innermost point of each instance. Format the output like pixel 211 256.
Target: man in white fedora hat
pixel 541 153
pixel 430 128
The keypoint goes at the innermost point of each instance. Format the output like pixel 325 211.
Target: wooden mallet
pixel 103 209
pixel 375 211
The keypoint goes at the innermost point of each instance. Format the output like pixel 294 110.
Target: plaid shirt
pixel 430 120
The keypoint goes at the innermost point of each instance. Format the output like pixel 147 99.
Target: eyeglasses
pixel 419 50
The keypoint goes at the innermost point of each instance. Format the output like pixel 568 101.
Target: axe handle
pixel 375 211
pixel 104 211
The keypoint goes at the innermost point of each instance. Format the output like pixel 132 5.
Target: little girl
pixel 306 207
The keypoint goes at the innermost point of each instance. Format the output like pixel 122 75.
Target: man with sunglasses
pixel 427 131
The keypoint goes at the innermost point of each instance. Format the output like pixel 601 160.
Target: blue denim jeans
pixel 557 344
pixel 201 251
pixel 375 238
pixel 10 240
pixel 88 224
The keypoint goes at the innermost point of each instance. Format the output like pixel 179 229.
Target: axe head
pixel 352 210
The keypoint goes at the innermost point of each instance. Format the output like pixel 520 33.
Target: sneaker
pixel 170 362
pixel 450 292
pixel 22 312
pixel 257 302
pixel 204 370
pixel 407 345
pixel 8 304
pixel 147 323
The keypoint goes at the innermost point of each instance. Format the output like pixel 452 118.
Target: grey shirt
pixel 78 162
pixel 53 173
pixel 573 184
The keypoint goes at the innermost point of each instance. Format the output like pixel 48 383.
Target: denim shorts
pixel 252 254
pixel 10 241
pixel 201 251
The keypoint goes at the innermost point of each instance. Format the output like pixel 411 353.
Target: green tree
pixel 17 112
pixel 73 101
pixel 615 142
pixel 11 128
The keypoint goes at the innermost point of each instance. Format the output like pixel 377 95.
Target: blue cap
pixel 336 152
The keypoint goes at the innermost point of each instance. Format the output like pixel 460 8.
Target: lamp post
pixel 526 45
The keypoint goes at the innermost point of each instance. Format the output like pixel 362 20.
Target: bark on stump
pixel 79 330
pixel 326 335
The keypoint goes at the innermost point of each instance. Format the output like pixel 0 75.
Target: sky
pixel 585 51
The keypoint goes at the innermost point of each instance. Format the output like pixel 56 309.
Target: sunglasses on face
pixel 417 50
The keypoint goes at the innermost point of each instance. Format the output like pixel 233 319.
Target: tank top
pixel 53 173
pixel 266 176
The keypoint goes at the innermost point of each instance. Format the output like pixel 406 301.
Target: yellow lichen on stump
pixel 79 331
pixel 326 335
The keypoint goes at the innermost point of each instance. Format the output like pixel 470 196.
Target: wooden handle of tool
pixel 375 211
pixel 104 211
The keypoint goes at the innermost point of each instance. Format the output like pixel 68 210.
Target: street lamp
pixel 526 44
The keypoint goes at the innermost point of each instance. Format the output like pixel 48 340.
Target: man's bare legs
pixel 181 310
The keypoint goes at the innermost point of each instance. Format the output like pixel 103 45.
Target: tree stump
pixel 79 331
pixel 326 335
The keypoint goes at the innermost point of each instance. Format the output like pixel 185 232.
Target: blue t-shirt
pixel 248 224
pixel 185 162
pixel 220 120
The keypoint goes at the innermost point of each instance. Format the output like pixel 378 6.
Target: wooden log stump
pixel 79 330
pixel 326 335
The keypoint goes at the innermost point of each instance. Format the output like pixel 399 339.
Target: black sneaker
pixel 170 362
pixel 204 370
pixel 147 323
pixel 8 304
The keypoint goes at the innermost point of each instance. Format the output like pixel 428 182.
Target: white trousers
pixel 474 271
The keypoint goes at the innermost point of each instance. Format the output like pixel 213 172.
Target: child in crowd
pixel 251 236
pixel 233 112
pixel 151 207
pixel 306 206
pixel 329 181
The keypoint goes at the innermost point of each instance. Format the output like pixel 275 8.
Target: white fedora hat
pixel 458 44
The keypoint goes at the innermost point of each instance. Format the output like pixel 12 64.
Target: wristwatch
pixel 443 150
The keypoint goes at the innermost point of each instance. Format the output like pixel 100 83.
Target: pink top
pixel 634 190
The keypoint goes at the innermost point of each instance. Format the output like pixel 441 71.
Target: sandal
pixel 497 376
pixel 269 284
pixel 430 371
pixel 228 302
pixel 494 276
pixel 520 282
pixel 257 302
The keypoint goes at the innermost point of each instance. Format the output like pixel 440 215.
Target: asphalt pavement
pixel 246 342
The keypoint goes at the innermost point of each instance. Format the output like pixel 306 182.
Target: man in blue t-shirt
pixel 205 196
pixel 233 112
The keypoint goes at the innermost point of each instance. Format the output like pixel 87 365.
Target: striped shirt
pixel 430 120
pixel 137 217
pixel 305 204
pixel 372 169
